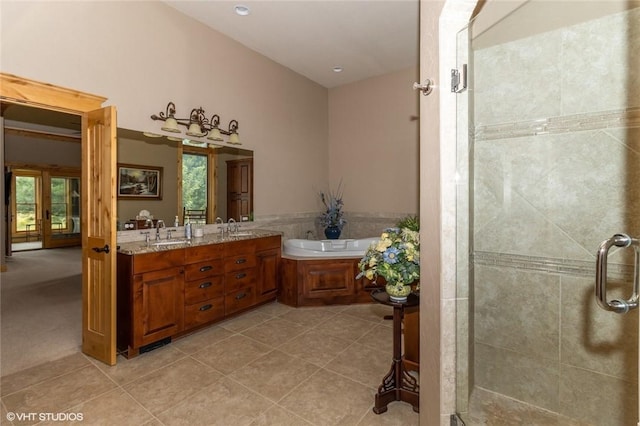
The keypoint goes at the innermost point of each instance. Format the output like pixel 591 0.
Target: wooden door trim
pixel 14 89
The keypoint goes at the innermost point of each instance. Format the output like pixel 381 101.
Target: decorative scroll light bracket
pixel 197 124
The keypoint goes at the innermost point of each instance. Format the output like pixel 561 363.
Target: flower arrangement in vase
pixel 396 258
pixel 332 219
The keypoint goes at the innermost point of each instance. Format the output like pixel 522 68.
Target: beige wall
pixel 25 149
pixel 373 143
pixel 143 54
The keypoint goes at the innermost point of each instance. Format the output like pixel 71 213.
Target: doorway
pixel 42 167
pixel 41 291
pixel 553 171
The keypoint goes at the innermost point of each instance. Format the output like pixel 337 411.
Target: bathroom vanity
pixel 166 290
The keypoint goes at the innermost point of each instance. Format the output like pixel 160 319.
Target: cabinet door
pixel 328 282
pixel 158 305
pixel 267 281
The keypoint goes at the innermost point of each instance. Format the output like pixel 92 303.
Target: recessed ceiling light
pixel 337 69
pixel 242 10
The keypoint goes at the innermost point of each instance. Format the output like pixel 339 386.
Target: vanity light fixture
pixel 197 125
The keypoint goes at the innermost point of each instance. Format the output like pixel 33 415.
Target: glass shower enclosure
pixel 548 158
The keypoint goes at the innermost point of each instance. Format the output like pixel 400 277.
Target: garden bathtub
pixel 328 248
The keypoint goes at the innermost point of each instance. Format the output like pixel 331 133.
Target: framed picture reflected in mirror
pixel 139 182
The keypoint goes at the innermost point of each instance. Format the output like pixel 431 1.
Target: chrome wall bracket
pixel 459 79
pixel 425 88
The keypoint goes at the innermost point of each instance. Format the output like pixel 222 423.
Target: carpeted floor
pixel 40 308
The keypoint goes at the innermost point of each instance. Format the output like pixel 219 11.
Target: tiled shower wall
pixel 557 171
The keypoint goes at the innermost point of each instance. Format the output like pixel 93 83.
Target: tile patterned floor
pixel 275 365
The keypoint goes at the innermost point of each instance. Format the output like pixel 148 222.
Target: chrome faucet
pixel 233 222
pixel 220 222
pixel 148 223
pixel 159 224
pixel 146 237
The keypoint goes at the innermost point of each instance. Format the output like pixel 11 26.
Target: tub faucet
pixel 309 235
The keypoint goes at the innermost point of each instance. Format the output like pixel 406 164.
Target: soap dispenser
pixel 187 230
pixel 176 222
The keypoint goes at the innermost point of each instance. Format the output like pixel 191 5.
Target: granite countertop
pixel 141 247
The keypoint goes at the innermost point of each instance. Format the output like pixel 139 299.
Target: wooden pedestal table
pixel 398 384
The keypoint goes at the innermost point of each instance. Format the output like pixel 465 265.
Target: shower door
pixel 549 164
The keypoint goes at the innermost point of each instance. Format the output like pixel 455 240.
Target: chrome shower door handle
pixel 617 306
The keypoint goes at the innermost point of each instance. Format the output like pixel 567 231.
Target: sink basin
pixel 169 242
pixel 242 234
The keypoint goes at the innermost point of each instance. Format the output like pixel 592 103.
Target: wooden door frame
pixel 18 90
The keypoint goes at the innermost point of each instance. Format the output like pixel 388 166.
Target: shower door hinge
pixel 459 79
pixel 455 420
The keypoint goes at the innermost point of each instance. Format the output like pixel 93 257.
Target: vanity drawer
pixel 203 312
pixel 147 262
pixel 203 253
pixel 197 271
pixel 238 279
pixel 199 290
pixel 240 299
pixel 239 261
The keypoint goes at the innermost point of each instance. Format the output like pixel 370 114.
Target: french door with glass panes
pixel 61 215
pixel 46 207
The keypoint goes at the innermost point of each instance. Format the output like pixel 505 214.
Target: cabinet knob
pixel 206 268
pixel 241 295
pixel 241 260
pixel 240 276
pixel 206 307
pixel 205 285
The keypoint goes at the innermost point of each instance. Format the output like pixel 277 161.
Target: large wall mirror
pixel 192 176
pixel 38 138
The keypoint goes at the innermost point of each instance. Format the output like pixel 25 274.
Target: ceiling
pixel 311 37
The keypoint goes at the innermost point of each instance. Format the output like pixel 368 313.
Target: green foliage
pixel 409 222
pixel 194 181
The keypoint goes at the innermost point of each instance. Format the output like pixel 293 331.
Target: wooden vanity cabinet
pixel 150 298
pixel 268 255
pixel 170 293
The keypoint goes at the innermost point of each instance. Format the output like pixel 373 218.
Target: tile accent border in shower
pixel 550 265
pixel 629 117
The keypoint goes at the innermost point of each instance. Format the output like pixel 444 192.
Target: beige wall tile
pixel 595 339
pixel 523 377
pixel 597 398
pixel 518 310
